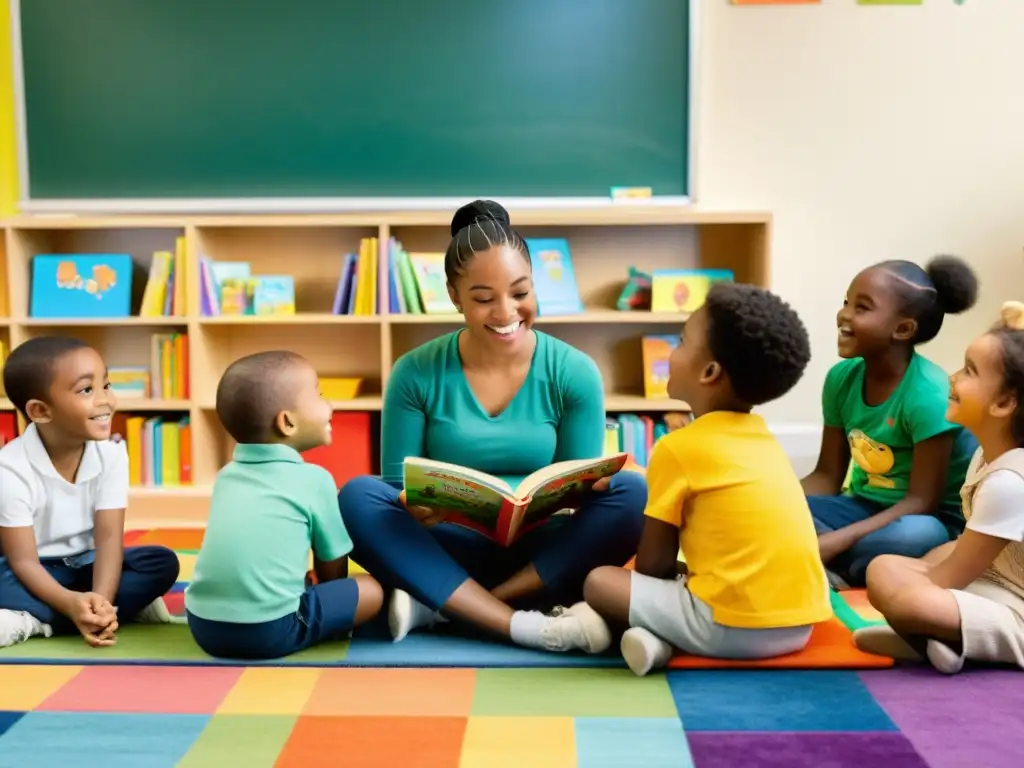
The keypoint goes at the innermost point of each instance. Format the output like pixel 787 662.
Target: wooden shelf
pixel 6 405
pixel 605 242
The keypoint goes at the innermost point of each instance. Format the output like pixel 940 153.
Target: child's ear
pixel 38 412
pixel 712 372
pixel 905 330
pixel 285 423
pixel 1004 406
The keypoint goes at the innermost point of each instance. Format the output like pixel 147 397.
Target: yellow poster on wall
pixel 8 140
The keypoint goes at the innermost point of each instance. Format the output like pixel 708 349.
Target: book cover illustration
pixel 683 290
pixel 554 278
pixel 81 285
pixel 428 269
pixel 655 350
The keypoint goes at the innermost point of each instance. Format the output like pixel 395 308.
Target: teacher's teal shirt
pixel 430 411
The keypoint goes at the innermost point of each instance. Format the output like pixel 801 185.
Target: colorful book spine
pixel 159 451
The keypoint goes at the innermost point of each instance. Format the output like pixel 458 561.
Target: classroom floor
pixel 57 711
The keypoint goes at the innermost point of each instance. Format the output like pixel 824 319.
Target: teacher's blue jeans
pixel 910 535
pixel 431 563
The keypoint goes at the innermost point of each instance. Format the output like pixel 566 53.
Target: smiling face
pixel 870 320
pixel 494 292
pixel 978 397
pixel 80 403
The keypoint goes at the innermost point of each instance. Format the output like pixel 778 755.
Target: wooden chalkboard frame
pixel 313 205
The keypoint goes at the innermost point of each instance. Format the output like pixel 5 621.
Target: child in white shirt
pixel 63 493
pixel 965 599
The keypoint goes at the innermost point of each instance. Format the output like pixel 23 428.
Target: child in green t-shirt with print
pixel 884 406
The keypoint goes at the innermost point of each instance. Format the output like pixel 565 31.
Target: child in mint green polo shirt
pixel 248 598
pixel 884 407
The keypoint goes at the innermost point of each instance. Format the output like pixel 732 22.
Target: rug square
pixel 175 602
pixel 823 750
pixel 172 538
pixel 374 742
pixel 270 691
pixel 25 686
pixel 254 741
pixel 571 693
pixel 158 690
pixel 446 649
pixel 135 642
pixel 775 700
pixel 973 718
pixel 113 741
pixel 187 567
pixel 655 742
pixel 7 719
pixel 412 692
pixel 513 742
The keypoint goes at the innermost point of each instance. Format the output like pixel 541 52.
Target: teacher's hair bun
pixel 1012 315
pixel 478 210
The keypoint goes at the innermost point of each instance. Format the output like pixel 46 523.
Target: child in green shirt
pixel 884 406
pixel 248 597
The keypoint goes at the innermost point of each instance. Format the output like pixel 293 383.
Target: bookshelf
pixel 604 243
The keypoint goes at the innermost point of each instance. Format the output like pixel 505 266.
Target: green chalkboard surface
pixel 355 98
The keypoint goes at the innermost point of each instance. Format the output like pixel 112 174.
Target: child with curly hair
pixel 723 490
pixel 965 600
pixel 884 405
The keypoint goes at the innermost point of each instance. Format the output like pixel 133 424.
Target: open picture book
pixel 489 505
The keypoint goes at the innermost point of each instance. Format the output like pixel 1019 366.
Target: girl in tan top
pixel 965 599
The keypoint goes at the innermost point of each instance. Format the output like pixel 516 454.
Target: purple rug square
pixel 790 750
pixel 974 718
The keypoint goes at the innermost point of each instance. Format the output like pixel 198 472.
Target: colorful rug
pixel 126 717
pixel 831 645
pixel 127 713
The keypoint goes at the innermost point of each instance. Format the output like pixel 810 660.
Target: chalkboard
pixel 355 98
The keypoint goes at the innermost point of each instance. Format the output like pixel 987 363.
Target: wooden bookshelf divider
pixel 604 243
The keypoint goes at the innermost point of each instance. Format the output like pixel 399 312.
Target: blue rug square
pixel 7 719
pixel 111 741
pixel 775 700
pixel 613 742
pixel 427 649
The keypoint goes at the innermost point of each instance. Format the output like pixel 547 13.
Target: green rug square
pixel 571 693
pixel 157 643
pixel 255 741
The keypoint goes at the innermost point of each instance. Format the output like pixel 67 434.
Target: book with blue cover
pixel 81 285
pixel 554 279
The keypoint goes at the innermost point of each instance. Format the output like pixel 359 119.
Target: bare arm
pixel 924 494
pixel 973 554
pixel 108 532
pixel 658 553
pixel 833 463
pixel 19 547
pixel 331 570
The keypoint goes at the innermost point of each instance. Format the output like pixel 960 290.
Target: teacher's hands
pixel 425 515
pixel 602 485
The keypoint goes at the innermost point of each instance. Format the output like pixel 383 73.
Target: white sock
pixel 944 658
pixel 644 651
pixel 526 628
pixel 18 626
pixel 406 613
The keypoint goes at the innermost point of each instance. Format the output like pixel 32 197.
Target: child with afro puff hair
pixel 724 492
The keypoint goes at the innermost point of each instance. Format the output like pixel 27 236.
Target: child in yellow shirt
pixel 723 490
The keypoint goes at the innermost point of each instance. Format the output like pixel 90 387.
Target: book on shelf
pixel 159 449
pixel 656 349
pixel 683 290
pixel 166 376
pixel 81 285
pixel 636 434
pixel 164 295
pixel 230 288
pixel 489 505
pixel 554 279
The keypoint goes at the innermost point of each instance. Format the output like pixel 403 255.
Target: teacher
pixel 503 398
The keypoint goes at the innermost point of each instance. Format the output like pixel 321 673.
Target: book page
pixel 454 489
pixel 568 488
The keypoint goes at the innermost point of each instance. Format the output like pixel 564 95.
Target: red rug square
pixel 154 690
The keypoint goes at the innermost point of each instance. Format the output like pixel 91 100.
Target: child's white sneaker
pixel 406 613
pixel 564 629
pixel 157 613
pixel 644 651
pixel 18 626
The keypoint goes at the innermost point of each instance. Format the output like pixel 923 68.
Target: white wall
pixel 871 133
